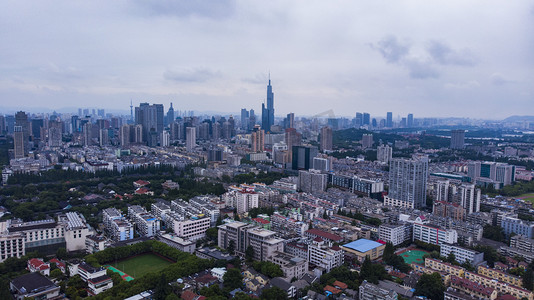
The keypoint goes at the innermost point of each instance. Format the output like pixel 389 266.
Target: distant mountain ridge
pixel 519 119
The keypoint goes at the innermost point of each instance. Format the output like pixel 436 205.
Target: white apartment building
pixel 76 231
pixel 327 258
pixel 396 234
pixel 462 254
pixel 433 234
pixel 116 226
pixel 96 278
pixel 146 223
pixel 244 235
pixel 11 244
pixel 192 229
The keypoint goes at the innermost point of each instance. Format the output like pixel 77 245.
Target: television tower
pixel 131 110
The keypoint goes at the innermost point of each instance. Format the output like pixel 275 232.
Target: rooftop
pixel 31 282
pixel 362 245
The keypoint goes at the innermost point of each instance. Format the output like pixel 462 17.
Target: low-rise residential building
pixel 34 286
pixel 293 267
pixel 395 233
pixel 473 288
pixel 369 291
pixel 323 256
pixel 502 287
pixel 95 243
pixel 117 227
pixel 500 275
pixel 439 265
pixel 517 226
pixel 363 248
pixel 462 254
pixel 191 229
pixel 218 273
pixel 96 278
pixel 76 231
pixel 522 243
pixel 45 236
pixel 37 265
pixel 243 235
pixel 324 235
pixel 297 249
pixel 177 242
pixel 147 225
pixel 11 243
pixel 433 234
pixel 284 285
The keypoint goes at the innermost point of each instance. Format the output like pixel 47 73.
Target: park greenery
pixel 430 286
pixel 185 264
pixel 360 217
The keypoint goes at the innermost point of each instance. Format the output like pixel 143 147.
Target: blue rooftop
pixel 362 245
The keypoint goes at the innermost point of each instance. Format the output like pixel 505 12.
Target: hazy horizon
pixel 433 59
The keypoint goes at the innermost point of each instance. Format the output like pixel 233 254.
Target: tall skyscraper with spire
pixel 267 113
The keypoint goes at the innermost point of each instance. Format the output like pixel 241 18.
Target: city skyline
pixel 352 57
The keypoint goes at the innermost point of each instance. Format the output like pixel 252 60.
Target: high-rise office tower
pixel 366 119
pixel 367 140
pixel 18 141
pixel 2 125
pixel 103 137
pixel 303 157
pixel 407 181
pixel 101 113
pixel 54 136
pixel 457 139
pixel 358 120
pixel 293 138
pixel 409 122
pixel 469 198
pixel 389 120
pixel 151 117
pixel 21 119
pixel 258 139
pixel 267 113
pixel 326 139
pixel 245 119
pixel 37 124
pixel 165 139
pixel 289 121
pixel 170 115
pixel 10 124
pixel 138 134
pixel 124 135
pixel 80 113
pixel 384 153
pixel 190 138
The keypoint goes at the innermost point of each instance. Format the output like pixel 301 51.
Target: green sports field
pixel 527 197
pixel 413 256
pixel 140 265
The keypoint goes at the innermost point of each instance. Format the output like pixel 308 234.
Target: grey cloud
pixel 260 78
pixel 499 79
pixel 420 69
pixel 190 75
pixel 445 55
pixel 183 8
pixel 391 49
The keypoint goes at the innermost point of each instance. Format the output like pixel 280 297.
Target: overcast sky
pixel 432 58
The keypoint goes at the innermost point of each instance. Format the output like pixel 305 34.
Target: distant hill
pixel 519 119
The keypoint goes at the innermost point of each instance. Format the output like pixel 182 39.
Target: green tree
pixel 172 296
pixel 389 251
pixel 273 293
pixel 233 279
pixel 451 258
pixel 528 279
pixel 62 253
pixel 249 254
pixel 430 286
pixel 495 233
pixel 56 273
pixel 212 233
pixel 231 247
